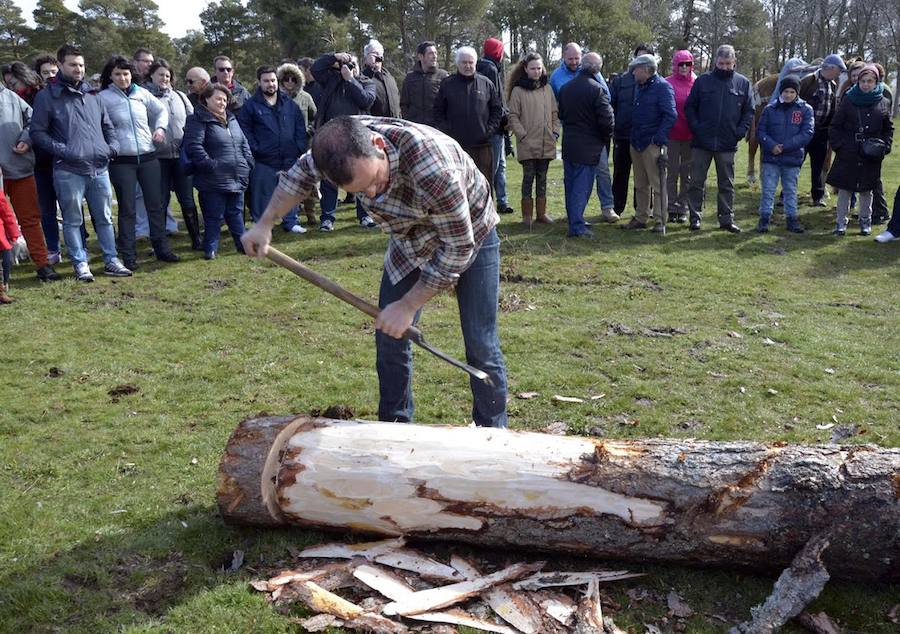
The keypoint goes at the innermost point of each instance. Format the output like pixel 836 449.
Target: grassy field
pixel 118 396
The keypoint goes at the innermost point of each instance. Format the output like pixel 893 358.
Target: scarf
pixel 861 99
pixel 529 84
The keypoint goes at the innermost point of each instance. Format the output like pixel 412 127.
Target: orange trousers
pixel 22 193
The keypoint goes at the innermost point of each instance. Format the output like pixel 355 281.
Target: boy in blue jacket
pixel 785 128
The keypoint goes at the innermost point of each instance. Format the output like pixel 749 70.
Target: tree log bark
pixel 740 504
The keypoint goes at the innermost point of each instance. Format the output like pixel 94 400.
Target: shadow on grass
pixel 139 574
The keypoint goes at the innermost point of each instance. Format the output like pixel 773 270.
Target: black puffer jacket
pixel 719 111
pixel 340 97
pixel 219 153
pixel 850 170
pixel 587 119
pixel 468 109
pixel 418 93
pixel 387 95
pixel 622 101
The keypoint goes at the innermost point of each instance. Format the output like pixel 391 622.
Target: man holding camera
pixel 344 92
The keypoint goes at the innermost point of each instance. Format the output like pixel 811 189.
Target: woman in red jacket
pixel 9 233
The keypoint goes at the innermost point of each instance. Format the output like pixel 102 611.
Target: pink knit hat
pixel 869 68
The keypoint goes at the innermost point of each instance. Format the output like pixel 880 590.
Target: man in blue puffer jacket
pixel 71 124
pixel 276 131
pixel 652 117
pixel 719 113
pixel 785 129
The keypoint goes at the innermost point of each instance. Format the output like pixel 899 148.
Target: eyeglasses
pixel 189 82
pixel 683 64
pixel 225 70
pixel 289 80
pixel 378 59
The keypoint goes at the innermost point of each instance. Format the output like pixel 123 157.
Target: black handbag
pixel 869 147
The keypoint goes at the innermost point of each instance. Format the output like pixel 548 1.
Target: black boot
pixel 163 251
pixel 192 222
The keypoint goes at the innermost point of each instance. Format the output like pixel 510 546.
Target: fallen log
pixel 742 504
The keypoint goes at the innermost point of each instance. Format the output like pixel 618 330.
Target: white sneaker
pixel 83 272
pixel 367 223
pixel 886 236
pixel 115 268
pixel 53 258
pixel 298 228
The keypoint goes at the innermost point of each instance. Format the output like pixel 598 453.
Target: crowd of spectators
pixel 67 140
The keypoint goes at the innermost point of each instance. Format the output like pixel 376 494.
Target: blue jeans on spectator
pixel 604 181
pixel 477 295
pixel 43 180
pixel 578 180
pixel 215 206
pixel 263 180
pixel 329 202
pixel 499 169
pixel 769 175
pixel 71 188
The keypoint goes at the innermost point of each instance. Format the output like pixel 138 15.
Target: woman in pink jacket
pixel 682 79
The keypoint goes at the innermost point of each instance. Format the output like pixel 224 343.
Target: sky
pixel 179 15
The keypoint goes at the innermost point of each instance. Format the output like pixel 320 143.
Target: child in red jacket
pixel 9 233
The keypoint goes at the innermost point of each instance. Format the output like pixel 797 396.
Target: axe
pixel 413 334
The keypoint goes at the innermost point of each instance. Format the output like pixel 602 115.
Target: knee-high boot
pixel 192 222
pixel 527 211
pixel 541 209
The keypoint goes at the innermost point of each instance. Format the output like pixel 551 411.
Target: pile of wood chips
pixel 411 587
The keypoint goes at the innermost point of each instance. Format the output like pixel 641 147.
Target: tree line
pixel 765 33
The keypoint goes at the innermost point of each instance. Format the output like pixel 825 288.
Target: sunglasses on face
pixel 289 80
pixel 189 82
pixel 225 70
pixel 683 64
pixel 378 59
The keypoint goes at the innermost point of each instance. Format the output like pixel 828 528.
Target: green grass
pixel 107 512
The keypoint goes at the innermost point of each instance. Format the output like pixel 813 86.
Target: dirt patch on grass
pixel 119 391
pixel 518 278
pixel 151 585
pixel 623 330
pixel 218 285
pixel 513 302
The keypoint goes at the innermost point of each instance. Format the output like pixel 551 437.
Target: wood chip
pixel 369 550
pixel 819 623
pixel 460 617
pixel 436 598
pixel 567 399
pixel 261 586
pixel 589 616
pixel 560 607
pixel 465 567
pixel 321 600
pixel 384 581
pixel 376 624
pixel 515 608
pixel 319 622
pixel 557 579
pixel 527 395
pixel 797 586
pixel 406 559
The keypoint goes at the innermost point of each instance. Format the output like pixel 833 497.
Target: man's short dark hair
pixel 305 62
pixel 337 143
pixel 44 59
pixel 264 70
pixel 424 46
pixel 67 50
pixel 221 58
pixel 644 46
pixel 114 62
pixel 142 51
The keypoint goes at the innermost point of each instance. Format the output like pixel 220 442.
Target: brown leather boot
pixel 541 209
pixel 527 211
pixel 4 298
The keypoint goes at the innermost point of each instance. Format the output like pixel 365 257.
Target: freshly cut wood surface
pixel 686 501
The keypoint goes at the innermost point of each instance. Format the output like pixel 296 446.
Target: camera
pixel 351 65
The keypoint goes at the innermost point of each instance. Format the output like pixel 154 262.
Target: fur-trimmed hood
pixel 293 70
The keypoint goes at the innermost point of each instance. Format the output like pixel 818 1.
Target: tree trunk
pixel 684 501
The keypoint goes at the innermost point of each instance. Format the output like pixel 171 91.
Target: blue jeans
pixel 578 180
pixel 604 181
pixel 769 175
pixel 499 168
pixel 263 181
pixel 477 295
pixel 43 180
pixel 215 206
pixel 329 202
pixel 70 189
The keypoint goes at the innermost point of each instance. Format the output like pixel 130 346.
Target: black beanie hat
pixel 790 82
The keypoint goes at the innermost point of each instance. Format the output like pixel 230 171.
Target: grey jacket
pixel 15 117
pixel 135 117
pixel 178 106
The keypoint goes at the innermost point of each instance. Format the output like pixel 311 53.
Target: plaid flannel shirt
pixel 437 208
pixel 825 90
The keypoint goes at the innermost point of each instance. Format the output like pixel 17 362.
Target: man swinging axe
pixel 425 191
